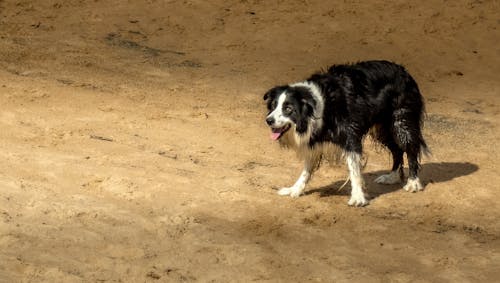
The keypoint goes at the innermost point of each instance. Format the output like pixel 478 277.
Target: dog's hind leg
pixel 413 184
pixel 310 164
pixel 396 175
pixel 409 137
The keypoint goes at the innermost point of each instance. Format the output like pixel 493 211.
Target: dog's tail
pixel 425 150
pixel 416 104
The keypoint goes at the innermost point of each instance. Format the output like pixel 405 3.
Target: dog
pixel 329 114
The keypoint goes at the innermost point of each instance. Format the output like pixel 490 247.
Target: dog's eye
pixel 288 109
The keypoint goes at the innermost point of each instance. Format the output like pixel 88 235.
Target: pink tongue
pixel 275 136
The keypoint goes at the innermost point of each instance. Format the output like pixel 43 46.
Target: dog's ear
pixel 273 92
pixel 266 96
pixel 306 113
pixel 307 107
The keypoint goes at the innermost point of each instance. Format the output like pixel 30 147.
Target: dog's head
pixel 290 107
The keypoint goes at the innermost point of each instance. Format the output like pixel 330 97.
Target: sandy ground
pixel 133 147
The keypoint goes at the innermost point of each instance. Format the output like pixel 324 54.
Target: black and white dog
pixel 338 108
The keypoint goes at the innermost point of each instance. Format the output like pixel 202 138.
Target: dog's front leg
pixel 357 183
pixel 300 185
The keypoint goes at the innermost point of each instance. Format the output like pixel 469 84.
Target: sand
pixel 133 145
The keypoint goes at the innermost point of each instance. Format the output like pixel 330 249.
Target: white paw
pixel 358 200
pixel 413 185
pixel 294 191
pixel 285 191
pixel 389 179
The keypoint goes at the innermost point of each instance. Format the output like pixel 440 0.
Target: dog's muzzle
pixel 277 133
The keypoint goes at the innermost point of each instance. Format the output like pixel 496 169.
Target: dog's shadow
pixel 430 173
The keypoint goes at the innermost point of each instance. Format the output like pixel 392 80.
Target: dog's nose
pixel 270 120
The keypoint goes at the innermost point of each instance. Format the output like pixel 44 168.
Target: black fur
pixel 368 95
